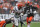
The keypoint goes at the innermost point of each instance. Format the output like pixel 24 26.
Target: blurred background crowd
pixel 7 5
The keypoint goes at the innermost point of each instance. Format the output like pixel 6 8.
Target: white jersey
pixel 17 11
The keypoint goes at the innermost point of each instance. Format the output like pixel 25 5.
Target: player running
pixel 29 9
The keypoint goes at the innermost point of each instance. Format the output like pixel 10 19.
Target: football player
pixel 29 9
pixel 18 9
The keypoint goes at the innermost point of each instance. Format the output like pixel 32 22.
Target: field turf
pixel 33 24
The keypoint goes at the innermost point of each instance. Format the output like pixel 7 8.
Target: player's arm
pixel 8 21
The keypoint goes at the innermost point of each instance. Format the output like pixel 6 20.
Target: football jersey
pixel 17 11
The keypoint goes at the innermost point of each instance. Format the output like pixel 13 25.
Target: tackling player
pixel 3 22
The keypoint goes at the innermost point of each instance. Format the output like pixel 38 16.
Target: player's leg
pixel 13 25
pixel 15 22
pixel 29 21
pixel 30 18
pixel 21 23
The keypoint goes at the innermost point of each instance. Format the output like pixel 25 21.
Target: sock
pixel 28 25
pixel 13 25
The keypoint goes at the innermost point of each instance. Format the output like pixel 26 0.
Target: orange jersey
pixel 1 23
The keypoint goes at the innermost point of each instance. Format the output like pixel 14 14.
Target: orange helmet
pixel 20 5
pixel 28 1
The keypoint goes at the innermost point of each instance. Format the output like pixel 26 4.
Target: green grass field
pixel 33 24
